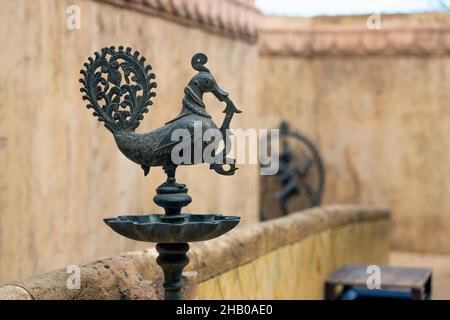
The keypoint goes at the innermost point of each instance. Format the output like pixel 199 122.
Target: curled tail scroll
pixel 118 87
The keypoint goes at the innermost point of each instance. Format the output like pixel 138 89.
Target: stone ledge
pixel 135 275
pixel 241 246
pixel 232 18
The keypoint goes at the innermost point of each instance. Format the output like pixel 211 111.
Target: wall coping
pixel 237 248
pixel 112 278
pixel 411 35
pixel 237 19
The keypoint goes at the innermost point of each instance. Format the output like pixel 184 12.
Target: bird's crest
pixel 198 62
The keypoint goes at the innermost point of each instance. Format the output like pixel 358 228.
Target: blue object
pixel 356 293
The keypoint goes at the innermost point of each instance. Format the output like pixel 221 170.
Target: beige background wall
pixel 377 105
pixel 61 172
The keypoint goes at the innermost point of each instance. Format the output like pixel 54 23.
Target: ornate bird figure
pixel 119 86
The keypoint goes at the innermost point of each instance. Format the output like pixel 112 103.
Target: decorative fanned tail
pixel 118 86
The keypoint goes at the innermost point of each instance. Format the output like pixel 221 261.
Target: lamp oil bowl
pixel 118 86
pixel 175 229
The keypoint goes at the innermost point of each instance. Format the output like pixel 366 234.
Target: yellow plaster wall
pixel 298 271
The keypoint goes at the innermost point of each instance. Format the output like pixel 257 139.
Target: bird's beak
pixel 219 93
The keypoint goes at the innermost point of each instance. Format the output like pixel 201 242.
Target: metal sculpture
pixel 295 172
pixel 118 86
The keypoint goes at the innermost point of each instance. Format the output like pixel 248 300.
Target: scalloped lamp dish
pixel 166 229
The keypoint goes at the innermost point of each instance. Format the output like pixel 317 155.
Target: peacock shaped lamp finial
pixel 118 86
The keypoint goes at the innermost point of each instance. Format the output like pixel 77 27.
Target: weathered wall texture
pixel 61 172
pixel 285 258
pixel 299 270
pixel 376 102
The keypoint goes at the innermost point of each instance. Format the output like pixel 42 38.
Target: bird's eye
pixel 206 81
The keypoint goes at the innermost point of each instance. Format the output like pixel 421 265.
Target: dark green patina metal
pixel 118 86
